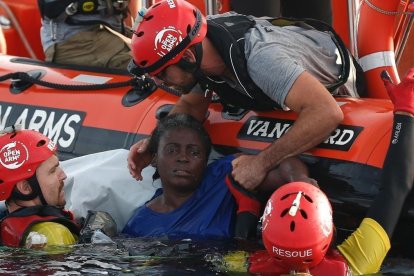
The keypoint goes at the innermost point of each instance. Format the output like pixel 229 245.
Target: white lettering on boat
pixel 61 126
pixel 269 129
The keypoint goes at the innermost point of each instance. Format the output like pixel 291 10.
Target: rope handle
pixel 372 6
pixel 143 84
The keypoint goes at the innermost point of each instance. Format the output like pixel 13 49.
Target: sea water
pixel 141 257
pixel 123 257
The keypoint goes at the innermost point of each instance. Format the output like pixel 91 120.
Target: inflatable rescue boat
pixel 88 110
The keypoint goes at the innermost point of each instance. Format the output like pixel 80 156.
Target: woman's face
pixel 181 160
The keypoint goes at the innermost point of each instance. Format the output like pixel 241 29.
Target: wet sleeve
pixel 366 248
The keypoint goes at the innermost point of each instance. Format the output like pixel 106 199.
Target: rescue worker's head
pixel 297 225
pixel 164 37
pixel 29 169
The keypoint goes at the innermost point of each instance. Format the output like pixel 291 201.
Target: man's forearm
pixel 310 129
pixel 195 104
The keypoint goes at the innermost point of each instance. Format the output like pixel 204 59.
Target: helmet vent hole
pixel 303 213
pixel 308 198
pixel 143 63
pixel 40 143
pixel 140 34
pixel 188 29
pixel 1 181
pixel 284 212
pixel 148 18
pixel 325 247
pixel 12 136
pixel 156 5
pixel 284 197
pixel 308 261
pixel 292 226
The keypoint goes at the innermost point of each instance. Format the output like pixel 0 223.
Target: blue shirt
pixel 209 213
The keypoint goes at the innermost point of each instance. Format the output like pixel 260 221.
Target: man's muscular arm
pixel 195 104
pixel 318 115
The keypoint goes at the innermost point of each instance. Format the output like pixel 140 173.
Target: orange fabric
pixel 378 37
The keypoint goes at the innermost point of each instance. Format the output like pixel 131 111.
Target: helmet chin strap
pixel 190 67
pixel 194 67
pixel 36 191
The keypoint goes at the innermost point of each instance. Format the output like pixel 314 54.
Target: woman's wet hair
pixel 175 121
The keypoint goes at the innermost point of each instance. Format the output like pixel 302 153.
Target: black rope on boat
pixel 140 83
pixel 169 90
pixel 23 76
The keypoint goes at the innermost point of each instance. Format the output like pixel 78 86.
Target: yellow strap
pixel 366 248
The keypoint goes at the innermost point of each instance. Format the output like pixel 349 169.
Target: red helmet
pixel 21 152
pixel 168 28
pixel 297 225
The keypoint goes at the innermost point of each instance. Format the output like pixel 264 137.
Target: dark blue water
pixel 141 257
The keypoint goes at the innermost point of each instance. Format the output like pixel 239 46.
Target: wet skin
pixel 181 160
pixel 51 179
